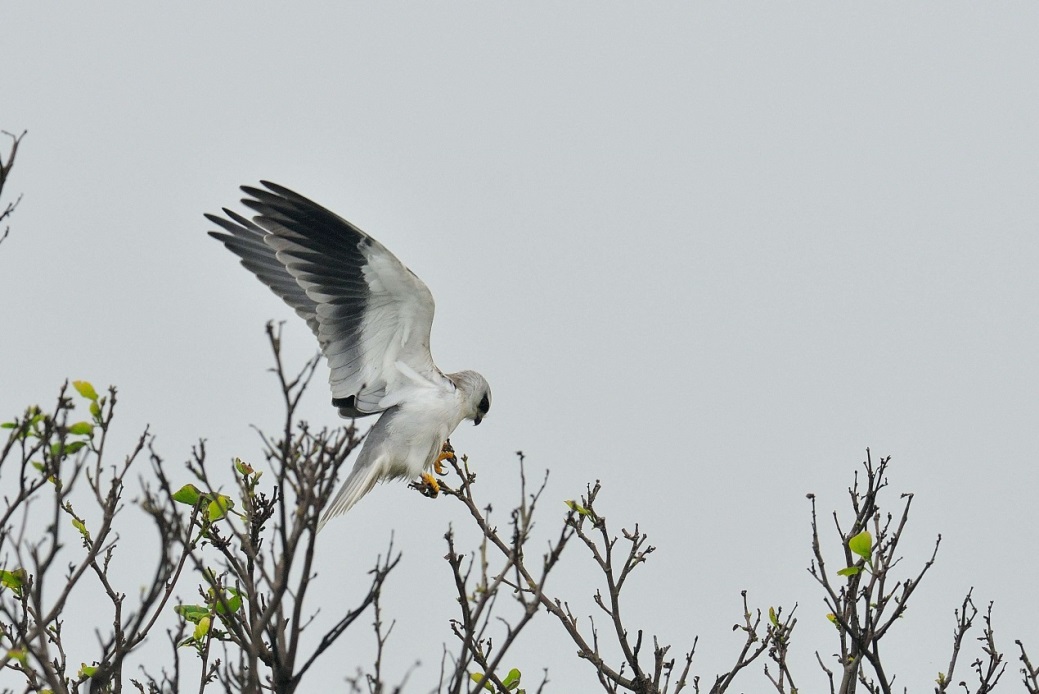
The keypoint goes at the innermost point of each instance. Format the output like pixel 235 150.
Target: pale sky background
pixel 704 252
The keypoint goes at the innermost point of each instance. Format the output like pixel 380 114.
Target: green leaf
pixel 862 544
pixel 188 494
pixel 833 619
pixel 95 410
pixel 85 389
pixel 202 629
pixel 82 528
pixel 19 654
pixel 192 613
pixel 512 679
pixel 70 447
pixel 8 425
pixel 242 467
pixel 13 579
pixel 74 447
pixel 219 507
pixel 82 429
pixel 477 677
pixel 232 600
pixel 577 508
pixel 772 617
pixel 850 571
pixel 87 670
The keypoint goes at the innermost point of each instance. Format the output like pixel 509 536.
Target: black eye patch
pixel 484 405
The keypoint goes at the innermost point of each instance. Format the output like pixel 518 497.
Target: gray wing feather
pixel 365 307
pixel 245 239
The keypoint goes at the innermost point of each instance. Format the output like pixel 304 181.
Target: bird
pixel 372 318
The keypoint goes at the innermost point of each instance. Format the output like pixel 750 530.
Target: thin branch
pixel 5 171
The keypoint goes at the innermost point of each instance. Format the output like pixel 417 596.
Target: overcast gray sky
pixel 704 252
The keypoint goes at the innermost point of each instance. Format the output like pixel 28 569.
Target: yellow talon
pixel 432 486
pixel 447 452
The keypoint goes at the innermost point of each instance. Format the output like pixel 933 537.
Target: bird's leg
pixel 447 452
pixel 428 485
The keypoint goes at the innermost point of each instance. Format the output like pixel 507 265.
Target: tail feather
pixel 357 484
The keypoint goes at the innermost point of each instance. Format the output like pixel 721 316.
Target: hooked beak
pixel 476 420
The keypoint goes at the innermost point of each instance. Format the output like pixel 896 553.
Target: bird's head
pixel 476 394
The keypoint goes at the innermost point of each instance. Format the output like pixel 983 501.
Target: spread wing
pixel 370 313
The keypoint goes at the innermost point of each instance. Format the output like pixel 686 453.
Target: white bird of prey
pixel 371 316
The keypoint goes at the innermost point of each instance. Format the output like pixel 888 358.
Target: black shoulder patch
pixel 349 401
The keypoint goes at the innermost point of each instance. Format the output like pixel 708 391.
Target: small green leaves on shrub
pixel 87 671
pixel 511 681
pixel 849 571
pixel 85 389
pixel 219 504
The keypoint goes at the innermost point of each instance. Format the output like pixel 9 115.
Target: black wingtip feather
pixel 279 193
pixel 244 221
pixel 284 192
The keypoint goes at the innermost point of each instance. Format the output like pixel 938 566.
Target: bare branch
pixel 5 171
pixel 1029 672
